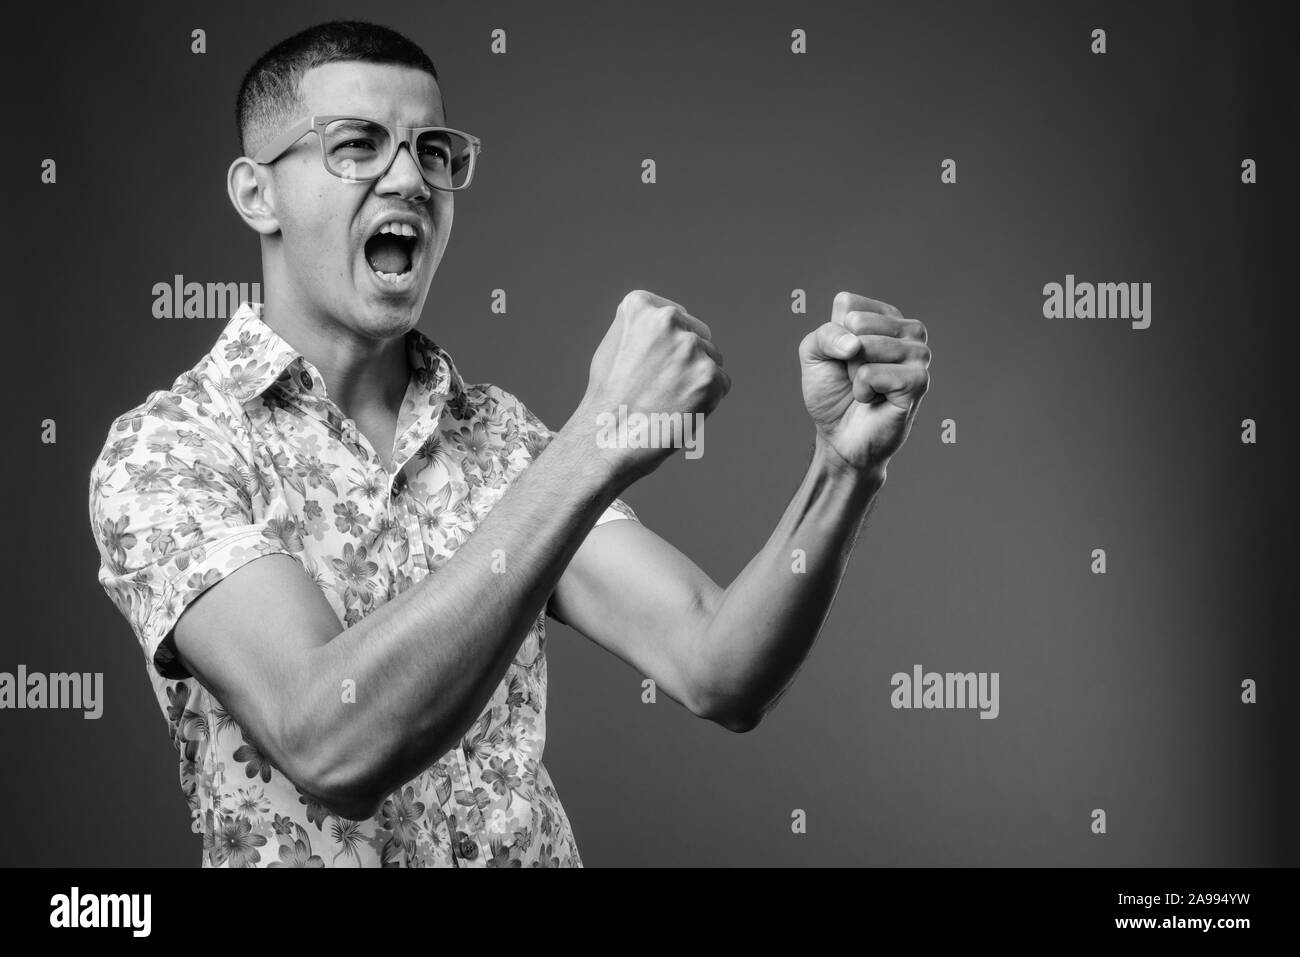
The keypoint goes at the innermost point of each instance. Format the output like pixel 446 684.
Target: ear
pixel 252 195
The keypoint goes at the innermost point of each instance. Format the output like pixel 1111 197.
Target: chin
pixel 388 310
pixel 385 320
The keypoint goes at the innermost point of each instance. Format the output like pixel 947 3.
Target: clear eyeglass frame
pixel 397 135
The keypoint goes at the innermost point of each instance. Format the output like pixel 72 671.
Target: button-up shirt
pixel 246 456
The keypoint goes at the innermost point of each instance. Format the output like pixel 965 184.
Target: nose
pixel 404 178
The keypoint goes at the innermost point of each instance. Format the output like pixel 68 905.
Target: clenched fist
pixel 864 374
pixel 655 358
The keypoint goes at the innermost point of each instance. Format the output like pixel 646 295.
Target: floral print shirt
pixel 245 456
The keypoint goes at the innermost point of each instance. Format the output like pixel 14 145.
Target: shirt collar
pixel 251 357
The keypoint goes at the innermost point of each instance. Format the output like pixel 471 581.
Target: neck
pixel 364 377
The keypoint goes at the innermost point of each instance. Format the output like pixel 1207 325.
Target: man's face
pixel 325 221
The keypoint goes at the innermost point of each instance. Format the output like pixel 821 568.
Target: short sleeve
pixel 171 513
pixel 616 510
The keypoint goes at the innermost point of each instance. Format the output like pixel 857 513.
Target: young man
pixel 338 556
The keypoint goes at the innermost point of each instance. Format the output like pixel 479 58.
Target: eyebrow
pixel 355 124
pixel 359 123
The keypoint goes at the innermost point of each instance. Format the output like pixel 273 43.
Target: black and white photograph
pixel 762 436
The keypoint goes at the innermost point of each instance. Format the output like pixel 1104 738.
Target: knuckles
pixel 636 300
pixel 665 317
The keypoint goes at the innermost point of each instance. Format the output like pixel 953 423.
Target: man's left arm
pixel 729 655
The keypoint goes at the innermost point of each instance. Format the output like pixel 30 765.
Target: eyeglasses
pixel 361 150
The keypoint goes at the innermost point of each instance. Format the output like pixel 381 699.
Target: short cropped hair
pixel 270 98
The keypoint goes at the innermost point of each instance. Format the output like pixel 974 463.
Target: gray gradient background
pixel 775 172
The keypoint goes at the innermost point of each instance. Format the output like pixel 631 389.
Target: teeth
pixel 392 277
pixel 398 229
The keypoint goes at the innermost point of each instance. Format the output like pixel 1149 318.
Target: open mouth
pixel 390 252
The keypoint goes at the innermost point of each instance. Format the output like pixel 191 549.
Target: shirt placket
pixel 403 513
pixel 411 436
pixel 471 849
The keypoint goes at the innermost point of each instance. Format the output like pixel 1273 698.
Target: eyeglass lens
pixel 360 149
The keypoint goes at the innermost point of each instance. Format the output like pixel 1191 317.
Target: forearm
pixel 425 663
pixel 760 629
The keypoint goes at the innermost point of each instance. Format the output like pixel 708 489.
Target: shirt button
pixel 305 379
pixel 467 848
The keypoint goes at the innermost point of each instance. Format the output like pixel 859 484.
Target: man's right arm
pixel 268 645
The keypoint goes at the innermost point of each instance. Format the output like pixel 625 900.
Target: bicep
pixel 209 590
pixel 634 594
pixel 247 638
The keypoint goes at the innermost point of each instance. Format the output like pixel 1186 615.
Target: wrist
pixel 834 467
pixel 576 440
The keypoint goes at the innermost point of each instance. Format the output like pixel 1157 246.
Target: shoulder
pixel 191 421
